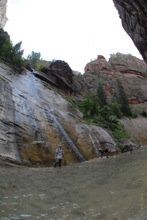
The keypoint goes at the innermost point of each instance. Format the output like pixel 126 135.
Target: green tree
pixel 89 106
pixel 3 37
pixel 101 95
pixel 116 109
pixel 8 52
pixel 34 59
pixel 122 99
pixel 105 116
pixel 16 54
pixel 4 42
pixel 17 49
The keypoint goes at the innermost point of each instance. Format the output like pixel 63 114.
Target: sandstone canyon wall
pixel 35 118
pixel 133 15
pixel 132 73
pixel 3 19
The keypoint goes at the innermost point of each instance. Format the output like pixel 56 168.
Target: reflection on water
pixel 108 189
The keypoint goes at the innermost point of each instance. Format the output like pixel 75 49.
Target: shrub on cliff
pixel 3 38
pixel 8 52
pixel 101 95
pixel 105 116
pixel 34 59
pixel 138 111
pixel 122 99
pixel 89 106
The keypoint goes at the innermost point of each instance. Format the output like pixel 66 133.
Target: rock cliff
pixel 133 15
pixel 132 73
pixel 35 117
pixel 3 19
pixel 59 74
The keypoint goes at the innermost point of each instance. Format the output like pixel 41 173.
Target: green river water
pixel 107 189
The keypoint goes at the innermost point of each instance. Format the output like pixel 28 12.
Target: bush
pixel 34 59
pixel 8 52
pixel 104 116
pixel 101 95
pixel 89 106
pixel 144 113
pixel 122 99
pixel 120 133
pixel 138 111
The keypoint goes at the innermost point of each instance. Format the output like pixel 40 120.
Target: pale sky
pixel 75 31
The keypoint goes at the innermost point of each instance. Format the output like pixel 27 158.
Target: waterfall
pixel 52 118
pixel 95 142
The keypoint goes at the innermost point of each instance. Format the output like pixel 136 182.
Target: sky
pixel 75 31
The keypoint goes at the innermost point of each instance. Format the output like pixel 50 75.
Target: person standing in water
pixel 59 156
pixel 131 149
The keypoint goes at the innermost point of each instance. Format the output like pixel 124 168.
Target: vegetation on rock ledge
pixel 98 111
pixel 8 52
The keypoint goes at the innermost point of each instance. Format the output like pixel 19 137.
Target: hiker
pixel 101 152
pixel 59 156
pixel 131 148
pixel 107 152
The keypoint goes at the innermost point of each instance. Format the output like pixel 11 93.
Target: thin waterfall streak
pixel 64 133
pixel 95 142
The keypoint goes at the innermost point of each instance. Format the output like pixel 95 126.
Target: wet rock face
pixel 133 15
pixel 35 118
pixel 7 125
pixel 3 19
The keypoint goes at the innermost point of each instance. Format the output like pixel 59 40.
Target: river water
pixel 108 189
